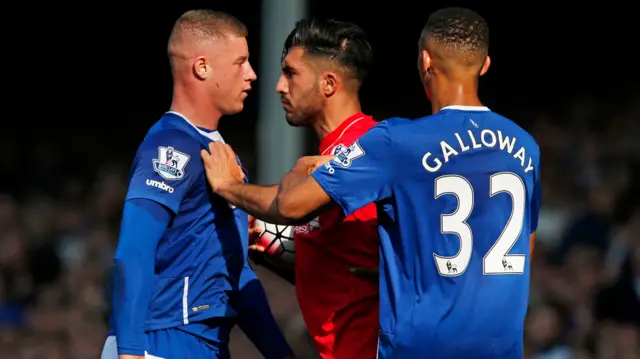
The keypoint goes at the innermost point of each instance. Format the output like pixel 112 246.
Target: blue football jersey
pixel 202 255
pixel 458 196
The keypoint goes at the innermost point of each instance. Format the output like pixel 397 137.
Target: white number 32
pixel 497 260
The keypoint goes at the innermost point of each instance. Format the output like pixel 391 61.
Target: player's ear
pixel 201 68
pixel 329 84
pixel 424 62
pixel 485 67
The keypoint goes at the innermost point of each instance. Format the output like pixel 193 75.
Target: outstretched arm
pixel 300 197
pixel 264 202
pixel 257 200
pixel 358 175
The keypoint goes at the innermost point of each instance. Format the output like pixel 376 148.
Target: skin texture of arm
pixel 297 199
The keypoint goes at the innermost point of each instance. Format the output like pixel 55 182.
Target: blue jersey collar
pixel 213 136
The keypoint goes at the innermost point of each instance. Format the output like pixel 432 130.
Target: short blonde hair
pixel 205 24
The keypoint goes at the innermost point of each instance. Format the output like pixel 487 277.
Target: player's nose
pixel 281 85
pixel 251 75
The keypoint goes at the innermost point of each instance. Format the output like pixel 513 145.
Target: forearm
pixel 131 278
pixel 259 201
pixel 143 224
pixel 300 198
pixel 290 180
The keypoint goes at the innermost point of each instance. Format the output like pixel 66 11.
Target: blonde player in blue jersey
pixel 181 279
pixel 458 196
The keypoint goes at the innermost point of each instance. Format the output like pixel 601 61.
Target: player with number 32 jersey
pixel 457 282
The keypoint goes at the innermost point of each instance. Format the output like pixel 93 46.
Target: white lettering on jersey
pixel 488 138
pixel 308 227
pixel 329 168
pixel 160 185
pixel 170 163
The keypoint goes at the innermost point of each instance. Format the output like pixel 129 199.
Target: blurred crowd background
pixel 66 153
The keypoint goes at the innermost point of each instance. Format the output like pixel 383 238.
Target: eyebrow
pixel 287 67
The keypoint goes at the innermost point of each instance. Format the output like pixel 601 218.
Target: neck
pixel 195 106
pixel 335 112
pixel 448 92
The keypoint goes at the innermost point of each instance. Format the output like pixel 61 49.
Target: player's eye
pixel 287 73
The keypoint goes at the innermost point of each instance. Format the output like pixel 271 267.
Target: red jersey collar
pixel 334 136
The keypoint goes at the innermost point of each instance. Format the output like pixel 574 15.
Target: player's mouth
pixel 285 104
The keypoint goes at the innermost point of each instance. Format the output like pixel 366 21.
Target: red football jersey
pixel 340 309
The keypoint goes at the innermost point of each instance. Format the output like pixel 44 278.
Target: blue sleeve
pixel 536 200
pixel 143 224
pixel 166 165
pixel 256 320
pixel 361 173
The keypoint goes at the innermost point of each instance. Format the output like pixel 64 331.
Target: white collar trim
pixel 466 108
pixel 213 136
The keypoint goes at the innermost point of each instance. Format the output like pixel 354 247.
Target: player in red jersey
pixel 323 66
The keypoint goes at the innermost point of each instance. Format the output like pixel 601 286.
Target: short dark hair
pixel 460 30
pixel 340 41
pixel 207 24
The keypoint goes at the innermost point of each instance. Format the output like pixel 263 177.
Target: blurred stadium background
pixel 85 83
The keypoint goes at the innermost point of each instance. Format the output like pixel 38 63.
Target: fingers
pixel 219 149
pixel 255 231
pixel 221 166
pixel 309 163
pixel 212 147
pixel 324 159
pixel 205 155
pixel 257 248
pixel 214 150
pixel 319 161
pixel 229 151
pixel 222 153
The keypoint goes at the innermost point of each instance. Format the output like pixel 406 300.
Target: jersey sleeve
pixel 165 167
pixel 143 223
pixel 536 200
pixel 361 173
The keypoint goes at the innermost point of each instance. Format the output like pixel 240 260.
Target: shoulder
pixel 170 139
pixel 517 131
pixel 391 125
pixel 394 122
pixel 378 135
pixel 398 124
pixel 171 153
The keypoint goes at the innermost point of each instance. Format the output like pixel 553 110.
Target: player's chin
pixel 236 108
pixel 292 120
